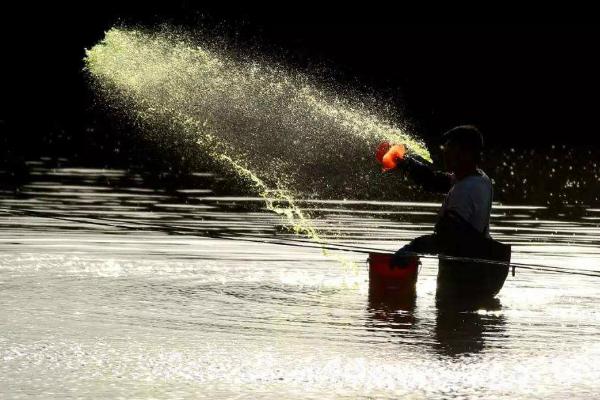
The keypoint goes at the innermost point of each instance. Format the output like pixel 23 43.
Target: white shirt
pixel 471 198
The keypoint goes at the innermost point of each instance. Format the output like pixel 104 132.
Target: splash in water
pixel 280 133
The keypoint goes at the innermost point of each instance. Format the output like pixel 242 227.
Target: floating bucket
pixel 386 276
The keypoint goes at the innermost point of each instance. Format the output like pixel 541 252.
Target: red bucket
pixel 400 276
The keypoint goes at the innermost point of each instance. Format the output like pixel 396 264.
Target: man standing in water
pixel 463 220
pixel 461 233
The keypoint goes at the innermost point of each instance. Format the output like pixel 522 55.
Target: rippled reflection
pixel 393 311
pixel 110 288
pixel 462 327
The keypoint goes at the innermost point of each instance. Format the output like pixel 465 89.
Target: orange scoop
pixel 383 148
pixel 389 156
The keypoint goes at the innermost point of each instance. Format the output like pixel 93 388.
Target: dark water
pixel 111 292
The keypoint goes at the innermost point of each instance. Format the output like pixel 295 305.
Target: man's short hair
pixel 468 137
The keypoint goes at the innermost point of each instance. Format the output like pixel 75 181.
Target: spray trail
pixel 283 135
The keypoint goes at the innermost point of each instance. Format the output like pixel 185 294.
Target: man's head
pixel 462 148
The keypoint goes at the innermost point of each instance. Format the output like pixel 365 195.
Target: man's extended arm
pixel 422 173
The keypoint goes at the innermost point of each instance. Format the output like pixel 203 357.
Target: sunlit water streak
pixel 94 311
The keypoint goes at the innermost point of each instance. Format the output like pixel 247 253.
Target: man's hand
pixel 383 148
pixel 389 156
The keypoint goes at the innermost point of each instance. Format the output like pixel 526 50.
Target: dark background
pixel 524 85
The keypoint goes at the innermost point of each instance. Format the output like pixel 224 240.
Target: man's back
pixel 471 199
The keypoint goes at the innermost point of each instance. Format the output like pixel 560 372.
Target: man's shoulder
pixel 479 179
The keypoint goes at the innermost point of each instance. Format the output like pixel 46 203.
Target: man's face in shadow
pixel 451 154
